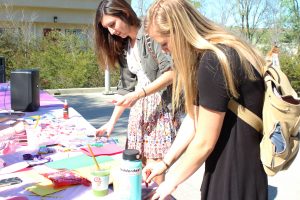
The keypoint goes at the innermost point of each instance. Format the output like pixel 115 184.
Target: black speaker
pixel 25 92
pixel 2 70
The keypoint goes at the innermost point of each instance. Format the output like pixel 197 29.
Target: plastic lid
pixel 131 154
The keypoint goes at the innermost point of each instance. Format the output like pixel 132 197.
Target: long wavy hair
pixel 109 47
pixel 191 34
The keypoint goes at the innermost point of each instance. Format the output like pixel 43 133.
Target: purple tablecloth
pixel 46 100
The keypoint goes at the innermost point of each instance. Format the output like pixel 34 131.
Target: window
pixel 46 31
pixel 78 32
pixel 74 31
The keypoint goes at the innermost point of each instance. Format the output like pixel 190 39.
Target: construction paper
pixel 106 150
pixel 45 188
pixel 77 162
pixel 46 100
pixel 37 183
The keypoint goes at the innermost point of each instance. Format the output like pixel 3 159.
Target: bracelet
pixel 144 92
pixel 167 165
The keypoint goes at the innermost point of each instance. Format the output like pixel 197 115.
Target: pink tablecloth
pixel 46 100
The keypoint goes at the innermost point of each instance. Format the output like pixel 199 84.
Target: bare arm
pixel 208 130
pixel 161 82
pixel 109 126
pixel 183 138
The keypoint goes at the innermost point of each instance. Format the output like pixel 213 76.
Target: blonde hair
pixel 190 35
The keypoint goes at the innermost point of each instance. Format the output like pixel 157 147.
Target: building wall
pixel 64 4
pixel 39 15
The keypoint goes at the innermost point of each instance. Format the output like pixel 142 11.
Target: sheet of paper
pixel 14 167
pixel 77 162
pixel 44 188
pixel 106 150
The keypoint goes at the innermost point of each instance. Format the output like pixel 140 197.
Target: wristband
pixel 144 92
pixel 167 165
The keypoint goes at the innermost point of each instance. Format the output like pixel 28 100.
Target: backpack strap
pixel 148 44
pixel 246 115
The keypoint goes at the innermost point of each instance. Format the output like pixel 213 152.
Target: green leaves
pixel 64 60
pixel 196 3
pixel 290 65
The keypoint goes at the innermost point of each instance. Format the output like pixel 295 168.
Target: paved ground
pixel 95 107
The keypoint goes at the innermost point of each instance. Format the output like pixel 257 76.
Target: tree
pixel 221 13
pixel 18 19
pixel 291 19
pixel 197 3
pixel 141 7
pixel 275 28
pixel 253 17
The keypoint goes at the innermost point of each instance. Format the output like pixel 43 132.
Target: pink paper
pixel 106 150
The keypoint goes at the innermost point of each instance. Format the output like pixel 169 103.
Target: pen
pixel 148 172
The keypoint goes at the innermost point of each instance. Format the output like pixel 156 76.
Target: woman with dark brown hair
pixel 145 70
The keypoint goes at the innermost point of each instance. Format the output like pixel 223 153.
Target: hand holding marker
pixel 148 172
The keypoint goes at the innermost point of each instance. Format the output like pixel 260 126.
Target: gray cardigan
pixel 152 66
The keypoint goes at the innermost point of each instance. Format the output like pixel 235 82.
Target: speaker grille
pixel 25 94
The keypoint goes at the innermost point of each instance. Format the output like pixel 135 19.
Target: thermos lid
pixel 131 154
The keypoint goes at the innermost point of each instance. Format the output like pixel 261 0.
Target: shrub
pixel 64 61
pixel 290 65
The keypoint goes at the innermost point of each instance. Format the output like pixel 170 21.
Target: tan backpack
pixel 280 124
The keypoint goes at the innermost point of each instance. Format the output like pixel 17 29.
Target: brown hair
pixel 109 47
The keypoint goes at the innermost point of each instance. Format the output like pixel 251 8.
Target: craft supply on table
pixel 66 110
pixel 45 150
pixel 14 167
pixel 2 163
pixel 148 172
pixel 73 162
pixel 106 150
pixel 39 161
pixel 93 156
pixel 17 198
pixel 12 137
pixel 100 177
pixel 129 185
pixel 47 129
pixel 64 177
pixel 100 181
pixel 43 186
pixel 10 181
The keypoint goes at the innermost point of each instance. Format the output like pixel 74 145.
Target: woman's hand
pixel 127 100
pixel 155 169
pixel 164 190
pixel 106 128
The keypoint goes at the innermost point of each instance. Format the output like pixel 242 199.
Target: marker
pixel 148 172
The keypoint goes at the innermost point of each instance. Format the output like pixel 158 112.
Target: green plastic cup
pixel 100 181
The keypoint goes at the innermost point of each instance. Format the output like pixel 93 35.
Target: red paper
pixel 106 150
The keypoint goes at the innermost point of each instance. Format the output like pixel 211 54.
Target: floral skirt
pixel 152 127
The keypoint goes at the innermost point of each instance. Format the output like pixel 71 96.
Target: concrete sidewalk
pixel 96 108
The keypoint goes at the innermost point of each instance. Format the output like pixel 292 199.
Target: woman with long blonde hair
pixel 211 66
